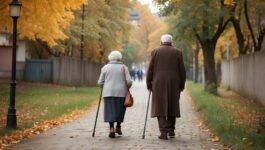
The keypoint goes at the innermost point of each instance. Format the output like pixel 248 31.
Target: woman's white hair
pixel 166 38
pixel 115 56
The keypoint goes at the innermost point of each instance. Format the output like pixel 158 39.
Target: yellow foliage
pixel 174 1
pixel 148 24
pixel 200 58
pixel 226 46
pixel 229 2
pixel 106 26
pixel 41 19
pixel 155 36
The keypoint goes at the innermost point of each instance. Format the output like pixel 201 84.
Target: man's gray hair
pixel 166 38
pixel 115 56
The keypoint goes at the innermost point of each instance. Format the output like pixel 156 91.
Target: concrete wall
pixel 74 72
pixel 3 39
pixel 246 75
pixel 21 51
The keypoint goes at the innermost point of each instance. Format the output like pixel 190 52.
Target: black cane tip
pixel 143 137
pixel 93 134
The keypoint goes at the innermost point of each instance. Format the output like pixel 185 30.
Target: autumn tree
pixel 133 54
pixel 184 42
pixel 39 49
pixel 41 19
pixel 226 47
pixel 147 24
pixel 196 61
pixel 259 10
pixel 207 20
pixel 241 10
pixel 236 17
pixel 155 36
pixel 106 25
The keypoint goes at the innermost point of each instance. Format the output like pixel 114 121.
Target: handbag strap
pixel 124 78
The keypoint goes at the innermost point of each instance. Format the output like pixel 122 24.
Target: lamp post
pixel 15 7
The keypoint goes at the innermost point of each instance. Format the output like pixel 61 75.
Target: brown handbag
pixel 128 98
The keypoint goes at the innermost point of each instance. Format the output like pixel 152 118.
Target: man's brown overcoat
pixel 166 78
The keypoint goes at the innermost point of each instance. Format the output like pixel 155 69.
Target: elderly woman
pixel 112 80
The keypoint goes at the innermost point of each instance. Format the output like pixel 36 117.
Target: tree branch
pixel 247 45
pixel 197 35
pixel 227 21
pixel 49 50
pixel 249 25
pixel 221 27
pixel 222 3
pixel 260 39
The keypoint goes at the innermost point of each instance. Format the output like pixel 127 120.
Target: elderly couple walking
pixel 165 78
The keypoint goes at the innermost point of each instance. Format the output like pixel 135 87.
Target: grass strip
pixel 221 120
pixel 38 102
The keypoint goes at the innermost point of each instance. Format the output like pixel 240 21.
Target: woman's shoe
pixel 111 133
pixel 118 130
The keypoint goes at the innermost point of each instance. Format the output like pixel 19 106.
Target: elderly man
pixel 166 79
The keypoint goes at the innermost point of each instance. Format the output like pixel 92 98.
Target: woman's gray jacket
pixel 112 79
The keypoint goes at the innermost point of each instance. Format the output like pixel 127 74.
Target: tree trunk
pixel 218 72
pixel 240 37
pixel 255 44
pixel 208 48
pixel 191 67
pixel 196 55
pixel 208 44
pixel 260 39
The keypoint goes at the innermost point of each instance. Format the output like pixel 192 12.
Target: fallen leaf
pixel 215 139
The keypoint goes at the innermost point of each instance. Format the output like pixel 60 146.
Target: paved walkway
pixel 77 135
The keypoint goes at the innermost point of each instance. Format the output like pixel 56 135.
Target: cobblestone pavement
pixel 78 135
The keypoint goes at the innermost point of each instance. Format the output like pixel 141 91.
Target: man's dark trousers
pixel 166 124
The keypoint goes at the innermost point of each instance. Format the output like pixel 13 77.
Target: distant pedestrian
pixel 114 90
pixel 133 74
pixel 166 79
pixel 140 75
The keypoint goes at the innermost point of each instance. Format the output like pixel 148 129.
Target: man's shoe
pixel 163 136
pixel 171 133
pixel 112 133
pixel 118 130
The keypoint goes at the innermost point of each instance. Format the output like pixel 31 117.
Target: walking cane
pixel 97 112
pixel 146 114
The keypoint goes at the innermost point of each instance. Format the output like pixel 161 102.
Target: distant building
pixel 6 56
pixel 4 38
pixel 134 16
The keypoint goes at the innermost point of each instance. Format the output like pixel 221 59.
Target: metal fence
pixel 63 71
pixel 39 70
